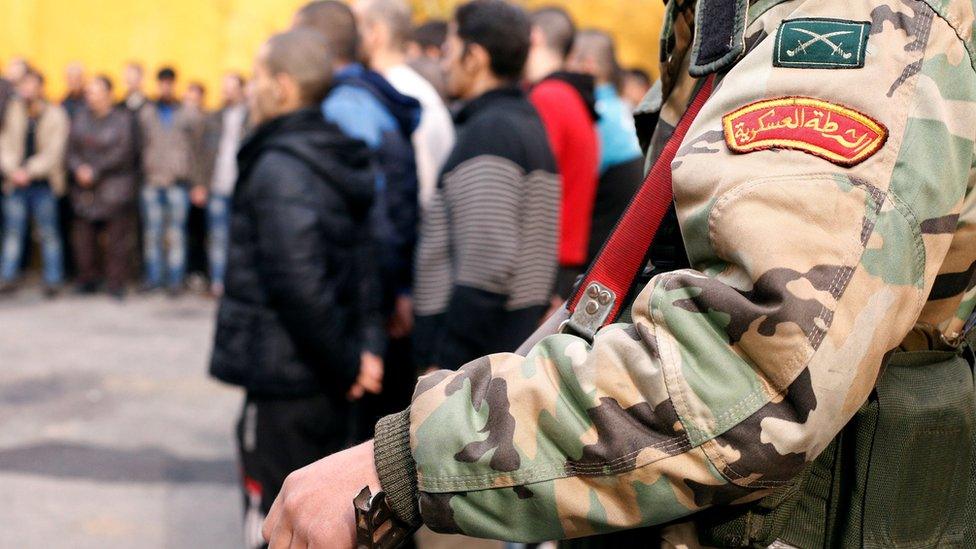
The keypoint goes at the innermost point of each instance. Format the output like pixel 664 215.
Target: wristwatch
pixel 376 525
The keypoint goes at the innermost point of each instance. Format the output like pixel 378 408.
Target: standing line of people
pixel 409 199
pixel 76 172
pixel 381 200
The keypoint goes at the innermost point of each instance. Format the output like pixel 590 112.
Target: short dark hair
pixel 395 14
pixel 557 27
pixel 336 22
pixel 638 74
pixel 166 73
pixel 31 72
pixel 431 34
pixel 304 55
pixel 600 45
pixel 502 29
pixel 105 81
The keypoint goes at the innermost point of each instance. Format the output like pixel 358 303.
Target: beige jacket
pixel 52 140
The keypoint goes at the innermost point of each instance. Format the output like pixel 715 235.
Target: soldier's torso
pixel 771 43
pixel 771 38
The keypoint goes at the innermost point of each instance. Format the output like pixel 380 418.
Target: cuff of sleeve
pixel 374 340
pixel 396 468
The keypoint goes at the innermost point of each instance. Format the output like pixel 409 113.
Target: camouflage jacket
pixel 826 198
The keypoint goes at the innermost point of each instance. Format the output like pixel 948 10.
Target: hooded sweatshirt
pixel 366 107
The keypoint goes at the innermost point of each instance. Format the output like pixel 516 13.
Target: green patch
pixel 816 43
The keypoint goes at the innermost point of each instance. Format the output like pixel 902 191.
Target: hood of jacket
pixel 305 135
pixel 585 86
pixel 405 109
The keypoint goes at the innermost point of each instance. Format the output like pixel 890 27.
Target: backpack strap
pixel 598 300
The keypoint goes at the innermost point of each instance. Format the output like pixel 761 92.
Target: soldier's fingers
pixel 298 542
pixel 281 538
pixel 272 520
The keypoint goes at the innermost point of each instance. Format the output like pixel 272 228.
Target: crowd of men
pixel 381 200
pixel 171 170
pixel 92 175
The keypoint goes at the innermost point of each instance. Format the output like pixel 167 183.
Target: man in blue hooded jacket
pixel 366 107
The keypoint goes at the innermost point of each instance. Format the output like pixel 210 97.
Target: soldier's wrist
pixel 396 468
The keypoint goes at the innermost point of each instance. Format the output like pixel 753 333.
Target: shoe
pixel 87 288
pixel 196 283
pixel 147 288
pixel 8 287
pixel 51 291
pixel 117 294
pixel 174 292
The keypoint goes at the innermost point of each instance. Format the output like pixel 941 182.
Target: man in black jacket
pixel 291 323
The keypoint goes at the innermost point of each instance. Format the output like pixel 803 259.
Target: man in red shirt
pixel 566 104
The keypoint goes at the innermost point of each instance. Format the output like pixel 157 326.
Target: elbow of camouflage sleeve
pixel 395 467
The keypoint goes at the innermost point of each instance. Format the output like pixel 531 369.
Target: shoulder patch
pixel 817 43
pixel 836 133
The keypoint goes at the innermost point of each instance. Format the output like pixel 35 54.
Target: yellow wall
pixel 204 38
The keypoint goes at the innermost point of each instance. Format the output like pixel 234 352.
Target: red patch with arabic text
pixel 836 133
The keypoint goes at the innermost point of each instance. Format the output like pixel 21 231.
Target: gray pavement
pixel 111 434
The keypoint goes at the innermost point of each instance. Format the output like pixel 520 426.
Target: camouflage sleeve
pixel 808 268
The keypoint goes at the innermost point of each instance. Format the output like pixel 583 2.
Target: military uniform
pixel 825 198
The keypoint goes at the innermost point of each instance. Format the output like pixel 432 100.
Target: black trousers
pixel 276 436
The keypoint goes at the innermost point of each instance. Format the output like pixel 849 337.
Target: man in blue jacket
pixel 366 107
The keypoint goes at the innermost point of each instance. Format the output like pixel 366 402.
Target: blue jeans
pixel 164 212
pixel 35 202
pixel 218 227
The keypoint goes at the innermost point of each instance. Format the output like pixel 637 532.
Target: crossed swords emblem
pixel 836 49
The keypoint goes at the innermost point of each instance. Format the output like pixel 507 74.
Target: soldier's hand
pixel 314 507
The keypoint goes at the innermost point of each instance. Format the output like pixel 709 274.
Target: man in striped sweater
pixel 487 258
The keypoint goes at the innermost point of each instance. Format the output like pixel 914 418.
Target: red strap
pixel 622 257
